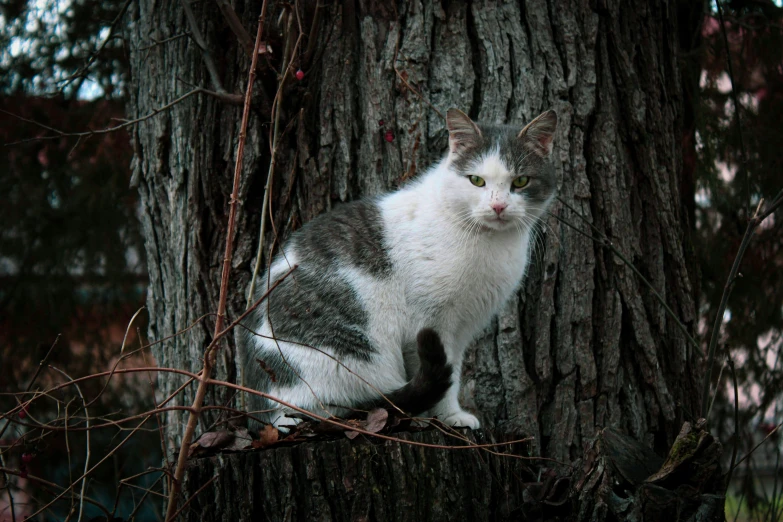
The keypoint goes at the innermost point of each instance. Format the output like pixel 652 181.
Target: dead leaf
pixel 211 441
pixel 269 436
pixel 376 420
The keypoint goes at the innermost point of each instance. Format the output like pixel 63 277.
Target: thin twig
pixel 335 422
pixel 107 130
pixel 7 482
pixel 45 482
pixel 104 459
pixel 41 364
pixel 209 355
pixel 195 33
pixel 155 42
pixel 194 495
pixel 748 454
pixel 287 59
pixel 88 430
pixel 727 287
pixel 144 497
pixel 312 39
pixel 82 72
pixel 715 396
pixel 193 376
pixel 736 422
pixel 215 382
pixel 604 241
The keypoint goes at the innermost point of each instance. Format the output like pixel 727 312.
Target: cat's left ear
pixel 463 133
pixel 539 134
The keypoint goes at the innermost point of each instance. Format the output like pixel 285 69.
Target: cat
pixel 388 292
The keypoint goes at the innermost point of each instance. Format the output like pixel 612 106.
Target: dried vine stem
pixel 88 431
pixel 209 355
pixel 288 55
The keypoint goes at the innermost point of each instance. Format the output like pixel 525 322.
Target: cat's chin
pixel 497 224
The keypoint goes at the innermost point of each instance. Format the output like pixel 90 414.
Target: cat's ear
pixel 463 133
pixel 539 133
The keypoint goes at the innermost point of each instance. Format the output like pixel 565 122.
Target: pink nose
pixel 498 208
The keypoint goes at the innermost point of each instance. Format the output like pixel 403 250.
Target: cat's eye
pixel 520 182
pixel 478 181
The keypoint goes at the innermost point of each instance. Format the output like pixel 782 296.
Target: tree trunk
pixel 585 344
pixel 365 479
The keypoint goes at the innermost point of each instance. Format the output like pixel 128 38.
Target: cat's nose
pixel 498 208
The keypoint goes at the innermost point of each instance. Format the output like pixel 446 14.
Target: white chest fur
pixel 454 279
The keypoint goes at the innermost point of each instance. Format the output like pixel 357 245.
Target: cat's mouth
pixel 497 222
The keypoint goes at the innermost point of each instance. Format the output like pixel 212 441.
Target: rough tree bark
pixel 584 345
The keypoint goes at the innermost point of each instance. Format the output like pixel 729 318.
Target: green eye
pixel 479 182
pixel 520 182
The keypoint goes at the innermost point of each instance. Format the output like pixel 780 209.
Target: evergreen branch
pixel 82 72
pixel 737 106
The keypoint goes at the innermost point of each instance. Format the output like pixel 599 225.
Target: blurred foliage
pixel 71 255
pixel 736 167
pixel 70 245
pixel 52 47
pixel 730 183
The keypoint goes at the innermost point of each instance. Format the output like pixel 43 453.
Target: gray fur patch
pixel 315 308
pixel 352 233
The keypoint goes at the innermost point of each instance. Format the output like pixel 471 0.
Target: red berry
pixel 23 412
pixel 299 75
pixel 27 458
pixel 23 471
pixel 380 122
pixel 389 136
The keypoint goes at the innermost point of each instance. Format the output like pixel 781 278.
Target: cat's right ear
pixel 463 133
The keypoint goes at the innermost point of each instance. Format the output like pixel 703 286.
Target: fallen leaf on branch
pixel 376 420
pixel 211 441
pixel 269 436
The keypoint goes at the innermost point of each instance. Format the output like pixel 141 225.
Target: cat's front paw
pixel 461 419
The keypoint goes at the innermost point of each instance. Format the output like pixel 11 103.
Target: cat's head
pixel 500 177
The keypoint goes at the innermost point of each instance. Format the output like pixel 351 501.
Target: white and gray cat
pixel 385 285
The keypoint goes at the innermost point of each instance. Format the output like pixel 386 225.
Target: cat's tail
pixel 430 383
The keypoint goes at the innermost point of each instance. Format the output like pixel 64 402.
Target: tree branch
pixel 199 39
pixel 107 130
pixel 245 41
